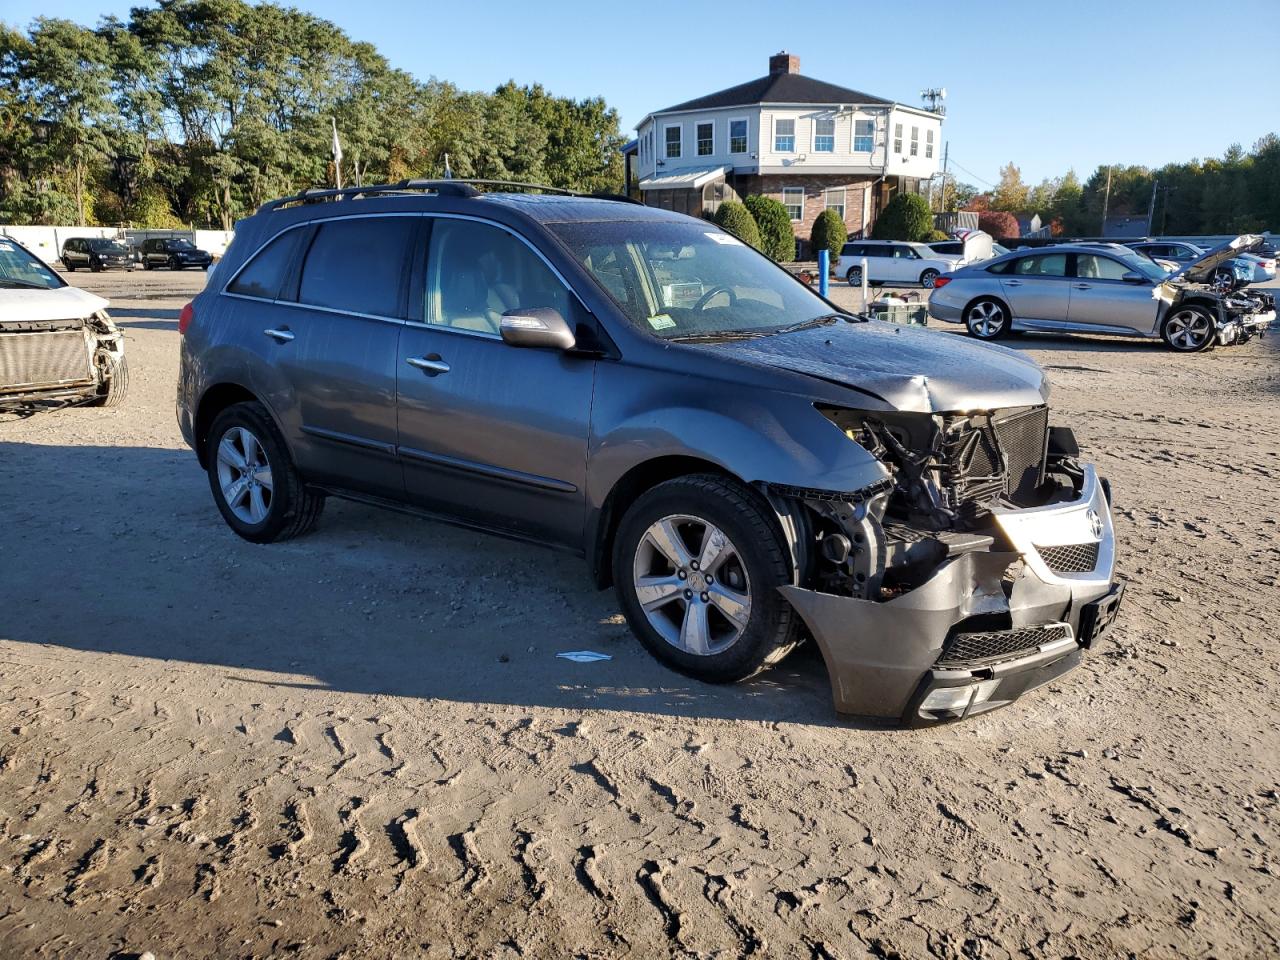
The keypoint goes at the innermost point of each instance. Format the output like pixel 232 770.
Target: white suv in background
pixel 893 262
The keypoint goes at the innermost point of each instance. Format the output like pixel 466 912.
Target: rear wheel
pixel 987 318
pixel 697 562
pixel 928 278
pixel 1188 329
pixel 258 490
pixel 854 276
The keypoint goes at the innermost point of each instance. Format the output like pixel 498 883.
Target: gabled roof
pixel 777 88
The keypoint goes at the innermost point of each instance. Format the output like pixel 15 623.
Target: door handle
pixel 283 335
pixel 431 366
pixel 1083 286
pixel 1013 283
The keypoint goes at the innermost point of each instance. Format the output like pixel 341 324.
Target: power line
pixel 974 175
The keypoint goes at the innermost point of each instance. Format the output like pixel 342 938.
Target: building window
pixel 737 136
pixel 824 135
pixel 897 138
pixel 864 136
pixel 915 141
pixel 834 198
pixel 674 135
pixel 928 143
pixel 793 200
pixel 706 139
pixel 784 136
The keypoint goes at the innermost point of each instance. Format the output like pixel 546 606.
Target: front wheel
pixel 258 490
pixel 987 318
pixel 174 264
pixel 71 267
pixel 1188 329
pixel 928 278
pixel 115 382
pixel 698 562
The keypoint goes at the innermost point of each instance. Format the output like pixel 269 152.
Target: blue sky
pixel 1049 86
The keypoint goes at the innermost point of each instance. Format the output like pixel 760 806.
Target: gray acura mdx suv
pixel 747 463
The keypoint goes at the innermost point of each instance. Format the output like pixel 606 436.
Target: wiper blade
pixel 23 284
pixel 823 321
pixel 718 335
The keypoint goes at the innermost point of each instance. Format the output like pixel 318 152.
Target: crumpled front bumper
pixel 890 658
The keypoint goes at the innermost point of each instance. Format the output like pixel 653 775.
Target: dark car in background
pixel 744 462
pixel 96 254
pixel 175 253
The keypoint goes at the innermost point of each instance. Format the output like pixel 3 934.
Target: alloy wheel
pixel 244 475
pixel 986 318
pixel 692 585
pixel 1189 329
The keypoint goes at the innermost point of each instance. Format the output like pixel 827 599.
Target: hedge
pixel 737 219
pixel 777 241
pixel 828 234
pixel 907 217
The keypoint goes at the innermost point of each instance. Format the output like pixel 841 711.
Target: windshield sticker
pixel 7 248
pixel 660 321
pixel 724 238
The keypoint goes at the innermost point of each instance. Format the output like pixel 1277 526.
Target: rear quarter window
pixel 265 273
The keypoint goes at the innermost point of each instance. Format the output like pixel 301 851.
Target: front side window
pixel 675 280
pixel 674 136
pixel 864 136
pixel 824 135
pixel 915 141
pixel 835 200
pixel 1042 265
pixel 901 252
pixel 1092 266
pixel 897 138
pixel 737 136
pixel 264 275
pixel 706 139
pixel 356 265
pixel 19 269
pixel 793 200
pixel 784 136
pixel 928 143
pixel 476 272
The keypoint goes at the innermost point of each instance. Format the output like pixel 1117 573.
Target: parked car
pixel 174 253
pixel 57 344
pixel 1104 288
pixel 893 261
pixel 96 254
pixel 1247 267
pixel 743 465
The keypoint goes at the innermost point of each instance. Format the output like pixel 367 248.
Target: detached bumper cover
pixel 886 659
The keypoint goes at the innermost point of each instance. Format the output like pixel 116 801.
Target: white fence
pixel 46 242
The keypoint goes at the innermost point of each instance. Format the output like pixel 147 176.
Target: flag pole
pixel 337 155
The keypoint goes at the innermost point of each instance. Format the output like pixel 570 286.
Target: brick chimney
pixel 784 62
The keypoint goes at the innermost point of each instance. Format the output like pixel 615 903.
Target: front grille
pixel 1023 438
pixel 1070 558
pixel 968 649
pixel 30 360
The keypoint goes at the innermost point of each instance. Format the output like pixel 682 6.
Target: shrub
pixel 828 234
pixel 907 217
pixel 1000 224
pixel 937 236
pixel 776 238
pixel 737 219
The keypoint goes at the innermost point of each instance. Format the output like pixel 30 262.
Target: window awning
pixel 690 178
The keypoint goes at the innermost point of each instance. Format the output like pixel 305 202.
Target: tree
pixel 828 234
pixel 1010 193
pixel 777 241
pixel 735 218
pixel 999 223
pixel 906 217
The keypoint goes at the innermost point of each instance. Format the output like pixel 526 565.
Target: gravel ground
pixel 361 744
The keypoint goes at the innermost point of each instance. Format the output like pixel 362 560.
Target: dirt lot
pixel 361 744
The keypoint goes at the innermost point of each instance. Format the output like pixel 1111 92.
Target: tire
pixel 95 267
pixel 1188 329
pixel 174 265
pixel 205 268
pixel 752 563
pixel 113 392
pixel 854 277
pixel 146 264
pixel 290 509
pixel 71 267
pixel 927 278
pixel 987 318
pixel 1223 275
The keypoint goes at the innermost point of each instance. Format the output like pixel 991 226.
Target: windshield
pixel 676 280
pixel 181 245
pixel 107 246
pixel 20 269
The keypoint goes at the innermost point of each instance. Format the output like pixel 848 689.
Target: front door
pixel 1037 287
pixel 1100 297
pixel 490 433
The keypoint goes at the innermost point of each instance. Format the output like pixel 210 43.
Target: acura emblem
pixel 1095 523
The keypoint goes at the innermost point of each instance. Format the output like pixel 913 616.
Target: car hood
pixel 907 367
pixel 34 306
pixel 1201 267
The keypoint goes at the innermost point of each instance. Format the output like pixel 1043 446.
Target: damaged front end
pixel 977 570
pixel 57 362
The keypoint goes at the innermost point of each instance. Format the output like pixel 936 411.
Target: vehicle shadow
pixel 1076 342
pixel 145 318
pixel 123 552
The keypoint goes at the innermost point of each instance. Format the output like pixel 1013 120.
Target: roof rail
pixel 443 188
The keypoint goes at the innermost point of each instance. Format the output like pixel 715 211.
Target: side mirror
pixel 537 327
pixel 1134 277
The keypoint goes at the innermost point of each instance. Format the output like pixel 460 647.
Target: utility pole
pixel 946 155
pixel 1151 209
pixel 1106 202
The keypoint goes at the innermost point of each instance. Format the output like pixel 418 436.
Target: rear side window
pixel 357 265
pixel 1042 265
pixel 265 273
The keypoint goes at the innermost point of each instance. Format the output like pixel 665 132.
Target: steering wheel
pixel 721 288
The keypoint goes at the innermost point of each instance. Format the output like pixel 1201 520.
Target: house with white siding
pixel 810 144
